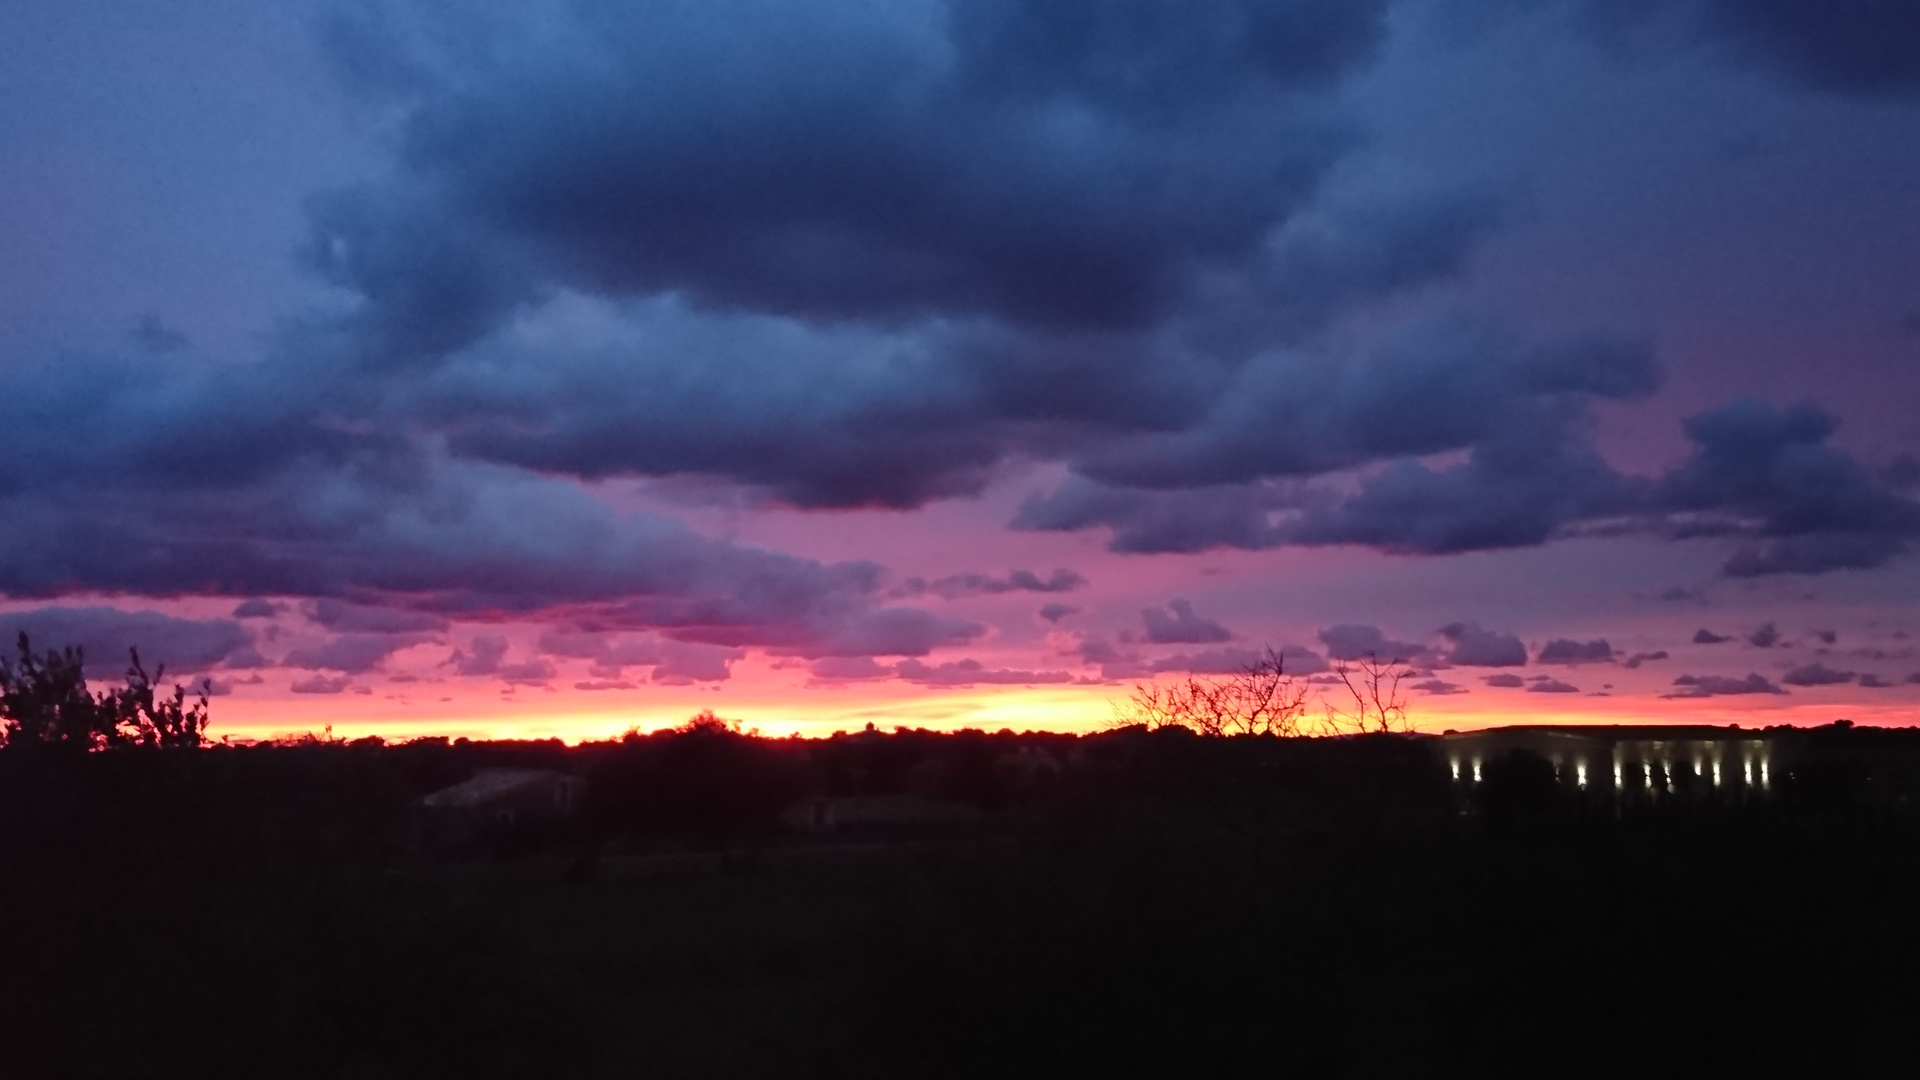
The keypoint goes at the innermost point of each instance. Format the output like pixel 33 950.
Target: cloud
pixel 482 655
pixel 1720 685
pixel 1850 47
pixel 969 672
pixel 322 684
pixel 958 585
pixel 1768 473
pixel 1145 522
pixel 1055 611
pixel 352 653
pixel 1639 658
pixel 1766 637
pixel 846 254
pixel 1505 682
pixel 339 616
pixel 1703 636
pixel 535 672
pixel 667 175
pixel 1762 477
pixel 682 664
pixel 1295 660
pixel 848 668
pixel 1552 686
pixel 1477 647
pixel 1354 642
pixel 246 657
pixel 1871 681
pixel 1568 651
pixel 1816 674
pixel 106 634
pixel 1436 686
pixel 674 663
pixel 257 608
pixel 1182 627
pixel 1429 388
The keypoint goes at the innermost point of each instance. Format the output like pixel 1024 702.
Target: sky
pixel 549 369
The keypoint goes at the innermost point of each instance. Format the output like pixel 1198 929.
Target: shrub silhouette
pixel 1519 785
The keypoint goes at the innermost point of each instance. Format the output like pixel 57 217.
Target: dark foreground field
pixel 269 917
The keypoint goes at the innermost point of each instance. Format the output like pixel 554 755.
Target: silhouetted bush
pixel 1519 785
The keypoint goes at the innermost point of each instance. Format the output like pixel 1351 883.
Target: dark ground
pixel 266 913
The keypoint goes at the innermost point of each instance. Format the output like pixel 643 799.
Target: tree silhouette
pixel 1259 699
pixel 45 704
pixel 1377 706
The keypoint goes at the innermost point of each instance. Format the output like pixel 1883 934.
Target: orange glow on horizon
pixel 777 711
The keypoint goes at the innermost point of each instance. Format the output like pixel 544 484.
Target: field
pixel 259 917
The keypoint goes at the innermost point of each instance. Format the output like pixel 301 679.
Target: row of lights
pixel 1619 772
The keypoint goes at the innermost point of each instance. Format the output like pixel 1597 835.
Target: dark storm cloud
pixel 843 253
pixel 854 254
pixel 1439 387
pixel 1568 651
pixel 249 485
pixel 1042 163
pixel 1770 473
pixel 1763 476
pixel 1473 646
pixel 864 253
pixel 1846 46
pixel 1849 47
pixel 1179 624
pixel 106 634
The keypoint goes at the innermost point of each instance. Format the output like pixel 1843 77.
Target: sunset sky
pixel 537 368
